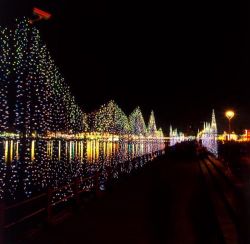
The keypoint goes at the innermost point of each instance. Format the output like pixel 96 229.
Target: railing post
pixel 49 206
pixel 2 219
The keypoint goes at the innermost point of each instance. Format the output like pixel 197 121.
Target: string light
pixel 176 137
pixel 110 118
pixel 152 130
pixel 208 135
pixel 36 102
pixel 137 123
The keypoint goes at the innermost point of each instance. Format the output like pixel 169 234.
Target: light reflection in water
pixel 48 163
pixel 17 150
pixel 95 150
pixel 59 150
pixel 32 157
pixel 50 149
pixel 11 151
pixel 6 150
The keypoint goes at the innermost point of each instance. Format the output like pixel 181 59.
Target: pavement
pixel 166 202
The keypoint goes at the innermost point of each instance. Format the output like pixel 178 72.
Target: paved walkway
pixel 166 202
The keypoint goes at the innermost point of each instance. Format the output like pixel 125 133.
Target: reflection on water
pixel 31 166
pixel 11 150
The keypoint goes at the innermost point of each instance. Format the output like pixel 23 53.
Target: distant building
pixel 178 137
pixel 208 136
pixel 175 136
pixel 246 135
pixel 228 137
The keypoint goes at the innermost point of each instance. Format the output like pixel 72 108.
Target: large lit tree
pixel 137 123
pixel 110 118
pixel 152 130
pixel 43 99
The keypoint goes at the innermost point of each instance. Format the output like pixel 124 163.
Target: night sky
pixel 180 59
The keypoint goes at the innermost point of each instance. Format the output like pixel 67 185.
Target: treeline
pixel 34 96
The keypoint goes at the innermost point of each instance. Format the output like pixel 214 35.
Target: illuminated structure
pixel 246 136
pixel 175 136
pixel 46 138
pixel 44 104
pixel 43 101
pixel 208 135
pixel 110 119
pixel 225 136
pixel 152 129
pixel 5 71
pixel 137 123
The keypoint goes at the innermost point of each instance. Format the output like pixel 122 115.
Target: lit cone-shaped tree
pixel 43 100
pixel 110 118
pixel 160 133
pixel 137 123
pixel 152 130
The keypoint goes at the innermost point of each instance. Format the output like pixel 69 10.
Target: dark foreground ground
pixel 166 202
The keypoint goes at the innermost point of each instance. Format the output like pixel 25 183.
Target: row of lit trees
pixel 35 98
pixel 111 119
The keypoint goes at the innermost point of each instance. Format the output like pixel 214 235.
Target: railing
pixel 45 201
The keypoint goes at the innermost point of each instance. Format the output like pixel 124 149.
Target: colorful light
pixel 44 134
pixel 208 136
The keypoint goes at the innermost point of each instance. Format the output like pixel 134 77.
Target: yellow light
pixel 17 150
pixel 229 114
pixel 6 151
pixel 11 150
pixel 32 150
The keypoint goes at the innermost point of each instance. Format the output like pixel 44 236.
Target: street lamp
pixel 229 114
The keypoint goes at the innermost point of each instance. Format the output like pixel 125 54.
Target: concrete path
pixel 166 202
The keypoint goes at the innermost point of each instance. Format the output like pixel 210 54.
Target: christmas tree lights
pixel 176 137
pixel 36 102
pixel 5 65
pixel 111 119
pixel 152 130
pixel 208 135
pixel 137 123
pixel 43 100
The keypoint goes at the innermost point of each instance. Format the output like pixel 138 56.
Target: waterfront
pixel 28 167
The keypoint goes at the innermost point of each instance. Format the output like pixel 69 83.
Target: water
pixel 28 167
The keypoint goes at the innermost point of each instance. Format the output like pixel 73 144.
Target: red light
pixel 42 14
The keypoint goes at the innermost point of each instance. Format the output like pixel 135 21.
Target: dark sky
pixel 179 58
